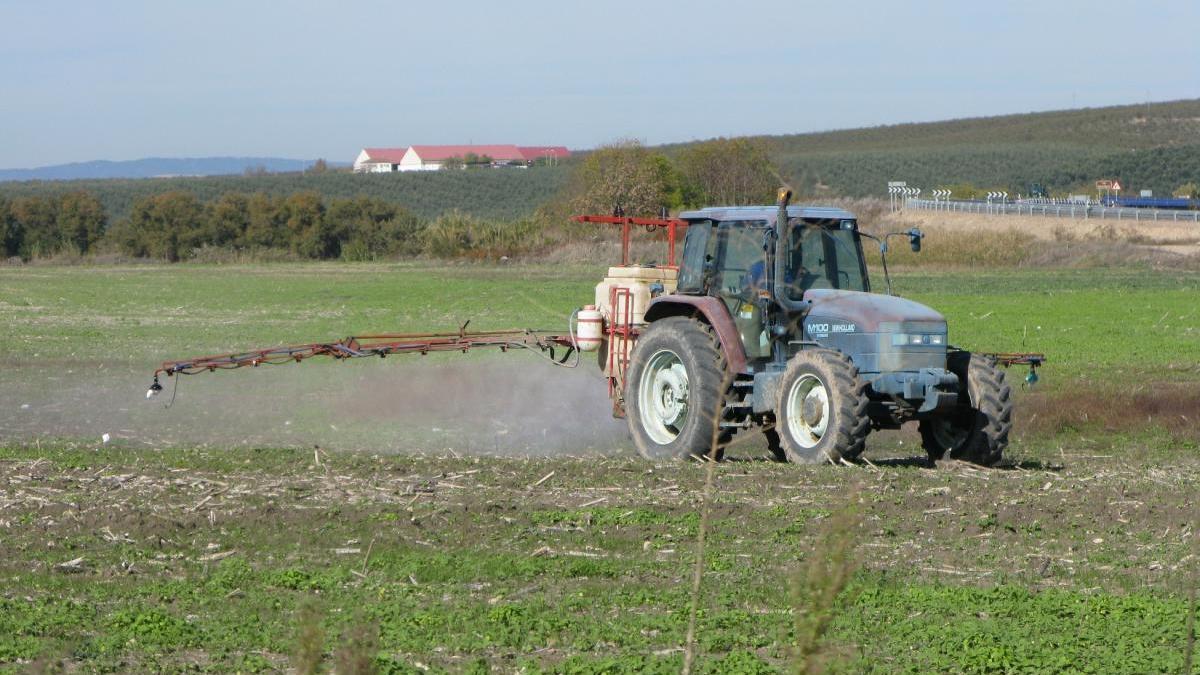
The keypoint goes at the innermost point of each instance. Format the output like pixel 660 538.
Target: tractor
pixel 768 321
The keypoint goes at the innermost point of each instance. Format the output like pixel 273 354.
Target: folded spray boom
pixel 542 342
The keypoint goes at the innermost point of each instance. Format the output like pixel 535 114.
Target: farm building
pixel 434 157
pixel 378 160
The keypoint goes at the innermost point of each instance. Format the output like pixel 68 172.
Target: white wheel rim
pixel 663 397
pixel 807 410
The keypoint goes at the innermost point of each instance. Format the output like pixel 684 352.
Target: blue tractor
pixel 773 323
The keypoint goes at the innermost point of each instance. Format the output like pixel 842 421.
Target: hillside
pixel 1155 146
pixel 1127 127
pixel 151 167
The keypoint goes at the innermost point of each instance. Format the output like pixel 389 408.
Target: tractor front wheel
pixel 977 431
pixel 675 390
pixel 821 414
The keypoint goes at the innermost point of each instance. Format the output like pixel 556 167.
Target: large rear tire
pixel 977 431
pixel 821 412
pixel 675 390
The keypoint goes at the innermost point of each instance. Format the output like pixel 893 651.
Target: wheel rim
pixel 663 397
pixel 807 411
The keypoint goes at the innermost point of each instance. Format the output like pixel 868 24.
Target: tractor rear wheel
pixel 977 431
pixel 675 390
pixel 821 413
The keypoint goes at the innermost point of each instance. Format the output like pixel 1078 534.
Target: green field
pixel 244 548
pixel 1094 323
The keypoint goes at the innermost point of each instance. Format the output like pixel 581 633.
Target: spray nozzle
pixel 154 388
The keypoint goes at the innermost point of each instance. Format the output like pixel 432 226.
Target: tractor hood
pixel 867 310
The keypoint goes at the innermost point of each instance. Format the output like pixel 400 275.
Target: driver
pixel 755 279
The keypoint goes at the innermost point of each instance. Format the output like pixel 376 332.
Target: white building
pixel 379 160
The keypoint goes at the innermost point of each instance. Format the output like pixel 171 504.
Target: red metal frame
pixel 621 334
pixel 672 226
pixel 1017 359
pixel 369 345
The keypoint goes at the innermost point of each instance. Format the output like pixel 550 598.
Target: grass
pixel 1099 324
pixel 233 555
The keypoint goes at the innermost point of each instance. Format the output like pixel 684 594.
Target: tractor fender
pixel 713 312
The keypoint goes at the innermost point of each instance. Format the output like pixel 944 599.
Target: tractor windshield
pixel 824 254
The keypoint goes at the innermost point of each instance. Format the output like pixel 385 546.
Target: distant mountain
pixel 154 167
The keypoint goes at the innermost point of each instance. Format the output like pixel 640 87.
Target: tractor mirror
pixel 914 239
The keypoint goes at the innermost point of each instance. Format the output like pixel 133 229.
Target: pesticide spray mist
pixel 473 404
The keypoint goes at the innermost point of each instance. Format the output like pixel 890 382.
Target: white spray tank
pixel 590 328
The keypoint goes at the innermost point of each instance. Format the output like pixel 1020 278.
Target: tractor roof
pixel 766 213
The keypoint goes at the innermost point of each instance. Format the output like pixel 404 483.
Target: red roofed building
pixel 434 157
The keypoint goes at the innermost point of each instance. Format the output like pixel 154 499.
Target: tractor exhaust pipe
pixel 781 284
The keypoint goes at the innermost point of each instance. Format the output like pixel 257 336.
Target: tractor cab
pixel 730 253
pixel 822 249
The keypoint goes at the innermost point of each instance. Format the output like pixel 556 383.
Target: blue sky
pixel 122 80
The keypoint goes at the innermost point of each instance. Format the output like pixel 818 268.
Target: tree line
pixel 43 226
pixel 505 195
pixel 177 225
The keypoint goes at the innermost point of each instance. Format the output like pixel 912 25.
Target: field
pixel 480 512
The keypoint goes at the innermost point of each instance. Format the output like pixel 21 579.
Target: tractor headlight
pixel 918 339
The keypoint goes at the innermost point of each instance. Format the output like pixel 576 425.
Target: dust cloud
pixel 474 404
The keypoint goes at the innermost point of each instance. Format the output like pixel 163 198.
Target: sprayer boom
pixel 542 342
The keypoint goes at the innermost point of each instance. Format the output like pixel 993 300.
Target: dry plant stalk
pixel 714 449
pixel 820 581
pixel 310 641
pixel 1189 649
pixel 356 656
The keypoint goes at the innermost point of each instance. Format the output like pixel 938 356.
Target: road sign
pixel 1116 186
pixel 1104 185
pixel 897 183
